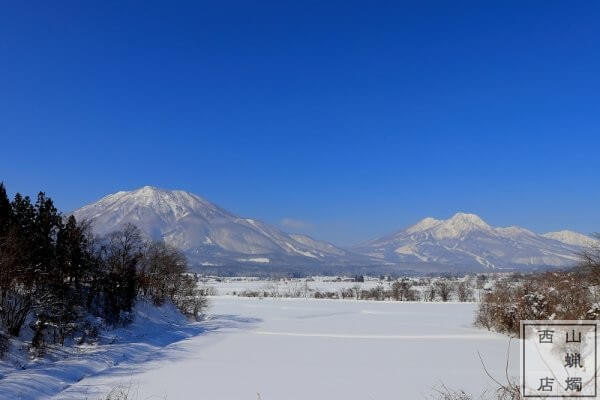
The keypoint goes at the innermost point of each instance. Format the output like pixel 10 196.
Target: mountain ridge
pixel 467 240
pixel 214 237
pixel 207 233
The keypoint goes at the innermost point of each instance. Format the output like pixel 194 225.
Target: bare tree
pixel 356 290
pixel 396 291
pixel 464 292
pixel 444 289
pixel 121 255
pixel 430 293
pixel 160 271
pixel 590 261
pixel 504 391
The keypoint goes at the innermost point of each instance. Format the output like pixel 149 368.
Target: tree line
pixel 572 294
pixel 404 289
pixel 54 273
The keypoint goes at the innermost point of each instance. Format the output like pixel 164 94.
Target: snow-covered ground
pixel 290 349
pixel 146 339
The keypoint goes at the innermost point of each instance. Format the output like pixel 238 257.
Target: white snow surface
pixel 148 338
pixel 286 349
pixel 573 238
pixel 256 260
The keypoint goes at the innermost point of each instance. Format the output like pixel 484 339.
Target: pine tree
pixel 47 223
pixel 23 215
pixel 5 211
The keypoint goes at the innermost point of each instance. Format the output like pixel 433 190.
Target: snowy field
pixel 293 349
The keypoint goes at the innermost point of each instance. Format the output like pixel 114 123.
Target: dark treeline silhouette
pixel 54 273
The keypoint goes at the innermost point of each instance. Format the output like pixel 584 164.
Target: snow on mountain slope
pixel 213 237
pixel 465 241
pixel 573 238
pixel 207 233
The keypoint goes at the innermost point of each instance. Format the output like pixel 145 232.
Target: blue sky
pixel 345 120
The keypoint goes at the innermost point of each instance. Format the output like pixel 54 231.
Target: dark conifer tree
pixel 47 224
pixel 5 211
pixel 23 215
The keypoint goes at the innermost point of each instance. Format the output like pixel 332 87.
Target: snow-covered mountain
pixel 573 238
pixel 208 234
pixel 214 238
pixel 465 241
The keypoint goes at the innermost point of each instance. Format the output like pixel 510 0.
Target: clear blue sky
pixel 345 120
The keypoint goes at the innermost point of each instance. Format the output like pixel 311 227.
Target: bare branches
pixel 503 391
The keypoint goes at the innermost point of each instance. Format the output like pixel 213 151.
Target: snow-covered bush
pixel 552 295
pixel 401 290
pixel 121 392
pixel 325 295
pixel 443 289
pixel 464 292
pixel 188 297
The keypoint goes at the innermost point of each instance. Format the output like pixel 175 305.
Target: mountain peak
pixel 460 224
pixel 163 207
pixel 466 241
pixel 461 218
pixel 423 225
pixel 149 189
pixel 206 232
pixel 457 225
pixel 156 195
pixel 157 192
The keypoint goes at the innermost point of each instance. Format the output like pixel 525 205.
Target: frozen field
pixel 314 349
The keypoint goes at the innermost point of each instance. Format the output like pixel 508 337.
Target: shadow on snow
pixel 124 352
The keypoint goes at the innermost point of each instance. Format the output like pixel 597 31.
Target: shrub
pixel 412 295
pixel 443 288
pixel 464 292
pixel 325 295
pixel 188 297
pixel 552 295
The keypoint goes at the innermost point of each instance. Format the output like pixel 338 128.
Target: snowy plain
pixel 251 348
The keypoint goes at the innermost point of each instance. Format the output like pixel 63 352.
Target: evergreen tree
pixel 47 223
pixel 66 305
pixel 23 215
pixel 5 212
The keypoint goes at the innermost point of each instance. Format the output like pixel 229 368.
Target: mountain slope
pixel 573 238
pixel 214 238
pixel 208 234
pixel 465 241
